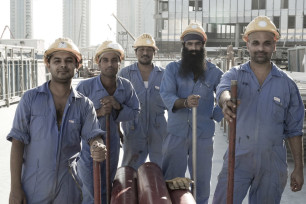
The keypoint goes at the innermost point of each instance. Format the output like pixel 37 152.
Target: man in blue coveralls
pixel 190 82
pixel 144 135
pixel 270 111
pixel 49 123
pixel 113 96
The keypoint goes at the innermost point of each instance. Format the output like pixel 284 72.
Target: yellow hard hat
pixel 194 28
pixel 261 23
pixel 145 40
pixel 63 44
pixel 109 46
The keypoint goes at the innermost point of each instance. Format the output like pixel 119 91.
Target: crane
pixel 7 27
pixel 123 26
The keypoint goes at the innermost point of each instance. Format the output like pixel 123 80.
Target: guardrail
pixel 18 72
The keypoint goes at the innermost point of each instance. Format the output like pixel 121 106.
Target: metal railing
pixel 18 72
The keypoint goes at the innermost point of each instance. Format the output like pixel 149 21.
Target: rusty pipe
pixel 108 174
pixel 124 189
pixel 194 151
pixel 231 148
pixel 97 182
pixel 181 196
pixel 152 187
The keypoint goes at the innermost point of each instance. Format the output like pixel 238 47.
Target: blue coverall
pixel 177 147
pixel 126 96
pixel 49 152
pixel 144 135
pixel 266 116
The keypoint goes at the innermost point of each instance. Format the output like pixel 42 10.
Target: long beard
pixel 193 62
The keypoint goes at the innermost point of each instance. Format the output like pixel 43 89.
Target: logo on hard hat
pixel 113 45
pixel 194 26
pixel 62 45
pixel 262 23
pixel 148 42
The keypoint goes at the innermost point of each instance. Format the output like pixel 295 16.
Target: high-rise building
pixel 21 16
pixel 224 21
pixel 76 21
pixel 137 16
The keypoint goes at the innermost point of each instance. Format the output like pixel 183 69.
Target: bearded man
pixel 190 82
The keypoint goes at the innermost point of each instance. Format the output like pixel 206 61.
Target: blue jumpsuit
pixel 126 96
pixel 177 147
pixel 144 135
pixel 266 116
pixel 49 152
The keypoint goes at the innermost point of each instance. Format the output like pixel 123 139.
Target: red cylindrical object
pixel 97 182
pixel 152 187
pixel 181 196
pixel 231 147
pixel 108 174
pixel 124 189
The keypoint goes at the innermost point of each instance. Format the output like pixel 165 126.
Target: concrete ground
pixel 220 145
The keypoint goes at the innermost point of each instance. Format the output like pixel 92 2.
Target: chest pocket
pixel 38 127
pixel 205 90
pixel 73 129
pixel 39 122
pixel 155 96
pixel 278 110
pixel 96 101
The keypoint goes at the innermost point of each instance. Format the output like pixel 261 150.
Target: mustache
pixel 145 56
pixel 260 52
pixel 193 53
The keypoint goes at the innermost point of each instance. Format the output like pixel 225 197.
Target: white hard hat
pixel 194 28
pixel 63 44
pixel 145 40
pixel 261 23
pixel 109 46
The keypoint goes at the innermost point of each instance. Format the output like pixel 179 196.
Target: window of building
pixel 291 22
pixel 284 4
pixel 195 5
pixel 163 6
pixel 200 6
pixel 242 27
pixel 191 5
pixel 276 21
pixel 304 27
pixel 221 30
pixel 258 4
pixel 165 24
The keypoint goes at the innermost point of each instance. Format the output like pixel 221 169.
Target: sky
pixel 47 20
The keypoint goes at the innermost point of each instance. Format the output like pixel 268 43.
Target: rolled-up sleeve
pixel 91 127
pixel 131 106
pixel 225 82
pixel 168 88
pixel 295 114
pixel 21 124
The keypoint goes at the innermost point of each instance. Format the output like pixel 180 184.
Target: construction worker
pixel 49 123
pixel 270 111
pixel 144 135
pixel 187 83
pixel 113 96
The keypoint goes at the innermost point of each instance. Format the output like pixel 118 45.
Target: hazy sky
pixel 47 20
